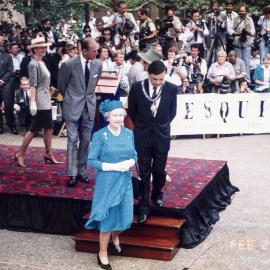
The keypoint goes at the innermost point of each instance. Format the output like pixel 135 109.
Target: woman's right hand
pixel 33 108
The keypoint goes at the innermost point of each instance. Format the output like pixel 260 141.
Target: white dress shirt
pixel 83 61
pixel 16 59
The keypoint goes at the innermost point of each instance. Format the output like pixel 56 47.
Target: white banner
pixel 222 114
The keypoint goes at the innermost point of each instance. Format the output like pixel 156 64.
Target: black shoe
pixel 83 178
pixel 14 130
pixel 142 218
pixel 103 266
pixel 1 130
pixel 157 203
pixel 72 181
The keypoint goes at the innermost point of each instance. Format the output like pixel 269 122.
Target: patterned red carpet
pixel 189 177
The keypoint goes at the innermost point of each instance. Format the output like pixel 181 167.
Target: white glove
pixel 17 107
pixel 117 167
pixel 33 108
pixel 107 167
pixel 128 163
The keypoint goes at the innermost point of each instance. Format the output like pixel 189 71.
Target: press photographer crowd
pixel 220 51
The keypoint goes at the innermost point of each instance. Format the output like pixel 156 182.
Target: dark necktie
pixel 87 73
pixel 154 93
pixel 25 98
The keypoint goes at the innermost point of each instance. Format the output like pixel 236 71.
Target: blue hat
pixel 109 105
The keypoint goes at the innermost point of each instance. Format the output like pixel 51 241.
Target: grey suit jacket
pixel 39 77
pixel 71 84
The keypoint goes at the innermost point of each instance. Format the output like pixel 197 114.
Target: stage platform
pixel 36 198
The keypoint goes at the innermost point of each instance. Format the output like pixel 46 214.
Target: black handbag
pixel 136 183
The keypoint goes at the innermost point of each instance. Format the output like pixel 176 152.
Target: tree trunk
pixel 86 13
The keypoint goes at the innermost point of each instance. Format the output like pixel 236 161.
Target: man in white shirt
pixel 243 31
pixel 197 68
pixel 264 23
pixel 122 68
pixel 198 31
pixel 118 19
pixel 230 16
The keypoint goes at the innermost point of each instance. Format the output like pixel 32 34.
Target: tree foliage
pixel 62 10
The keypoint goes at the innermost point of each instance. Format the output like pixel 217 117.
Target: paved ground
pixel 240 240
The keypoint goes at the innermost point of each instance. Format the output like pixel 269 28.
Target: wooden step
pixel 133 245
pixel 164 227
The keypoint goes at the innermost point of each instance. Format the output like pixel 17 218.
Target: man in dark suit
pixel 21 105
pixel 77 79
pixel 152 107
pixel 6 75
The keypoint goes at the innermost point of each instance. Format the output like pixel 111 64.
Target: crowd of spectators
pixel 222 51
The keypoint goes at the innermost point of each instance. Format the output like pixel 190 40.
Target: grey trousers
pixel 79 133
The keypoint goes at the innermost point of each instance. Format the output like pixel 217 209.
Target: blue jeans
pixel 244 54
pixel 263 50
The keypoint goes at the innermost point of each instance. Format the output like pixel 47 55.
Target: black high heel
pixel 102 265
pixel 51 161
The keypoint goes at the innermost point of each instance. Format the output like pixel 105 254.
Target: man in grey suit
pixel 77 81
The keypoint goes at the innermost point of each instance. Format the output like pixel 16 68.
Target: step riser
pixel 168 233
pixel 130 251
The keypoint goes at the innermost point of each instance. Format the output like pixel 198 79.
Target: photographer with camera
pixel 264 23
pixel 198 31
pixel 243 31
pixel 50 35
pixel 120 19
pixel 148 31
pixel 123 39
pixel 176 67
pixel 106 40
pixel 229 15
pixel 172 27
pixel 197 68
pixel 221 74
pixel 217 25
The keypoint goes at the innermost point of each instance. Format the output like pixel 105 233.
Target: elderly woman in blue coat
pixel 261 76
pixel 112 153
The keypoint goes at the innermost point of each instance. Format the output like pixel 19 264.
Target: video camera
pixel 127 28
pixel 200 24
pixel 164 24
pixel 216 12
pixel 243 35
pixel 225 85
pixel 197 76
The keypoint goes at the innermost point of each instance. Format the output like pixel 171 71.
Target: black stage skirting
pixel 61 212
pixel 203 212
